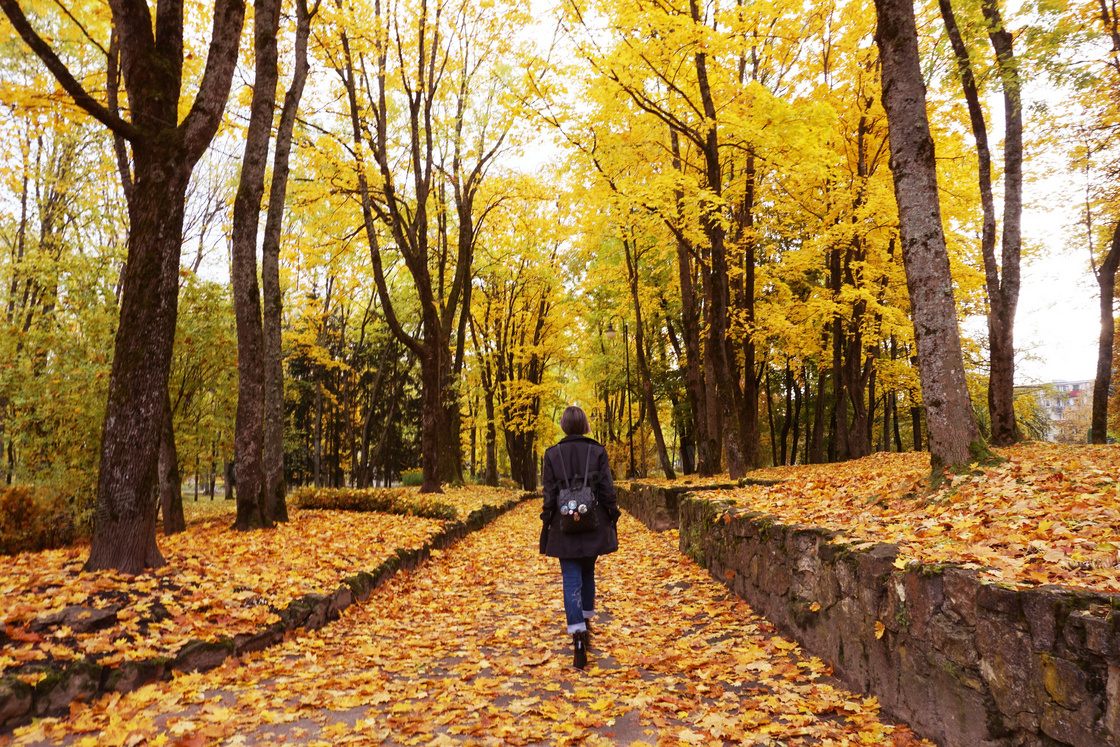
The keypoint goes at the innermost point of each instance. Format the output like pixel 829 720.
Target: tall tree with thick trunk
pixel 164 152
pixel 952 428
pixel 249 427
pixel 272 451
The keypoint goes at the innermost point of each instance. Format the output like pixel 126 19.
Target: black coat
pixel 604 540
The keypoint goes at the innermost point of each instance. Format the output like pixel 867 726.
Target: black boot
pixel 579 644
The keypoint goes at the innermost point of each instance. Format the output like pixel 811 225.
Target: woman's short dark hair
pixel 574 422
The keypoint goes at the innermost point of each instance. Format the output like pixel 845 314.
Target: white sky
pixel 1058 320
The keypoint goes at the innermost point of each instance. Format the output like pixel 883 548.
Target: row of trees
pixel 749 192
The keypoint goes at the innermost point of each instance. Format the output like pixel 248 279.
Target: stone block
pixel 960 586
pixel 925 594
pixel 342 598
pixel 361 584
pixel 132 674
pixel 1095 631
pixel 1111 720
pixel 78 618
pixel 1006 663
pixel 1073 727
pixel 995 598
pixel 199 656
pixel 56 691
pixel 1064 681
pixel 945 705
pixel 893 607
pixel 15 701
pixel 245 643
pixel 1043 609
pixel 319 604
pixel 954 641
pixel 846 576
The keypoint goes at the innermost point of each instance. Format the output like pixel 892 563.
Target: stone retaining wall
pixel 962 662
pixel 85 680
pixel 658 507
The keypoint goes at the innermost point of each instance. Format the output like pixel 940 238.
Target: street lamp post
pixel 610 334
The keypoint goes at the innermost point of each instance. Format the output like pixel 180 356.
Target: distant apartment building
pixel 1069 406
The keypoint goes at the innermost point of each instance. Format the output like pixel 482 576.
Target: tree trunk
pixel 1002 295
pixel 707 463
pixel 788 418
pixel 1106 279
pixel 272 454
pixel 770 418
pixel 816 445
pixel 491 475
pixel 643 365
pixel 249 423
pixel 431 413
pixel 170 483
pixel 726 390
pixel 838 450
pixel 125 516
pixel 1001 380
pixel 941 368
pixel 796 422
pixel 450 455
pixel 164 153
pixel 317 433
pixel 230 475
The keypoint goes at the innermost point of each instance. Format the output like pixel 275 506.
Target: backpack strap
pixel 564 467
pixel 587 467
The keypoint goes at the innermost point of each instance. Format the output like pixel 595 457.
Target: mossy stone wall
pixel 961 661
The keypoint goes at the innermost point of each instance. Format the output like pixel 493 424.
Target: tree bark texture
pixel 1001 380
pixel 1106 279
pixel 249 425
pixel 716 278
pixel 170 482
pixel 949 417
pixel 1003 293
pixel 272 452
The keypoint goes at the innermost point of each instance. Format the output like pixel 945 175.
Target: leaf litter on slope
pixel 471 649
pixel 1050 514
pixel 217 582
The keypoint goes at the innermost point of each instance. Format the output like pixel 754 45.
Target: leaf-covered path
pixel 471 649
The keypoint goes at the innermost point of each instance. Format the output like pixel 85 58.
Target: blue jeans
pixel 579 591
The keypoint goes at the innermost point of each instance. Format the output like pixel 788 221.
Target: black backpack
pixel 579 511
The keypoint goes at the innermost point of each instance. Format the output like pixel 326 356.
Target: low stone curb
pixel 85 680
pixel 659 507
pixel 963 662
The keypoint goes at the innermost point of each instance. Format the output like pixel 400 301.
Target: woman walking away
pixel 580 517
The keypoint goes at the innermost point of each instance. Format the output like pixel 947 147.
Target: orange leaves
pixel 472 649
pixel 217 583
pixel 1050 514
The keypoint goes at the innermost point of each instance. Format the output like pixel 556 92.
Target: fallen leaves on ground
pixel 1050 514
pixel 217 582
pixel 471 649
pixel 684 481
